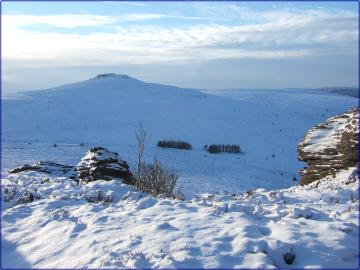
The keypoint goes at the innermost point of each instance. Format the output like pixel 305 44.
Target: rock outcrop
pixel 47 167
pixel 100 163
pixel 111 75
pixel 330 146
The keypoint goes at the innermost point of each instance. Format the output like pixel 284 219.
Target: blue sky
pixel 189 44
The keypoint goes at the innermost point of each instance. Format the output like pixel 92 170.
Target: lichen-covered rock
pixel 48 167
pixel 330 146
pixel 100 163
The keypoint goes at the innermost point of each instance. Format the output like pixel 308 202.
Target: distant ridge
pixel 339 90
pixel 347 91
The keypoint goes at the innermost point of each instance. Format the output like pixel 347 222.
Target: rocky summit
pixel 330 147
pixel 100 163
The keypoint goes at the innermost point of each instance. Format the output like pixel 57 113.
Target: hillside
pixel 240 211
pixel 105 111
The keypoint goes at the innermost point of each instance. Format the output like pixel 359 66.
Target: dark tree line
pixel 226 148
pixel 174 144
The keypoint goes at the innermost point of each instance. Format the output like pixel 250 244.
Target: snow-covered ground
pixel 105 111
pixel 241 211
pixel 67 228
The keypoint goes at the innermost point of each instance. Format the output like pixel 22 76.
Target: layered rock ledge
pixel 48 167
pixel 330 147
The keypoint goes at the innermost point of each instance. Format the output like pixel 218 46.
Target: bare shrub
pixel 98 196
pixel 155 179
pixel 27 197
pixel 179 194
pixel 174 144
pixel 152 178
pixel 140 138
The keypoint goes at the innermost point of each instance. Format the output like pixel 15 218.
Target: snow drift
pixel 107 224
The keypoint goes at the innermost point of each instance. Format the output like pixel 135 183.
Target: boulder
pixel 48 167
pixel 100 163
pixel 330 147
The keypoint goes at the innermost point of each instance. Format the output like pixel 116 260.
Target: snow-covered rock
pixel 330 146
pixel 48 167
pixel 100 163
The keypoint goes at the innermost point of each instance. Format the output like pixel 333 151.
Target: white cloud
pixel 279 34
pixel 62 21
pixel 133 3
pixel 155 16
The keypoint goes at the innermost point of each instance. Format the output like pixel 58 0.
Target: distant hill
pixel 346 91
pixel 338 90
pixel 106 110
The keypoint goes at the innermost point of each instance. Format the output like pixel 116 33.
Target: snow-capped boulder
pixel 48 167
pixel 330 147
pixel 100 163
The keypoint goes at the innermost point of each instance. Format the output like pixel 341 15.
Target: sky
pixel 207 45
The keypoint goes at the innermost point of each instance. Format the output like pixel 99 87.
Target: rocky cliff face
pixel 330 146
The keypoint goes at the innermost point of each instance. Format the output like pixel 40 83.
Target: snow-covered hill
pixel 229 217
pixel 105 111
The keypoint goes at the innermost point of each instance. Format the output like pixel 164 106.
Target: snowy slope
pixel 318 223
pixel 105 111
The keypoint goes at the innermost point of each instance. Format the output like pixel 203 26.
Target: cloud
pixel 61 21
pixel 137 4
pixel 273 34
pixel 157 16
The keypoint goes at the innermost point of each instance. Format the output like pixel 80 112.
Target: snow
pixel 105 111
pixel 240 211
pixel 318 222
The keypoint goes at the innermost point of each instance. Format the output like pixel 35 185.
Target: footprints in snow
pixel 64 215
